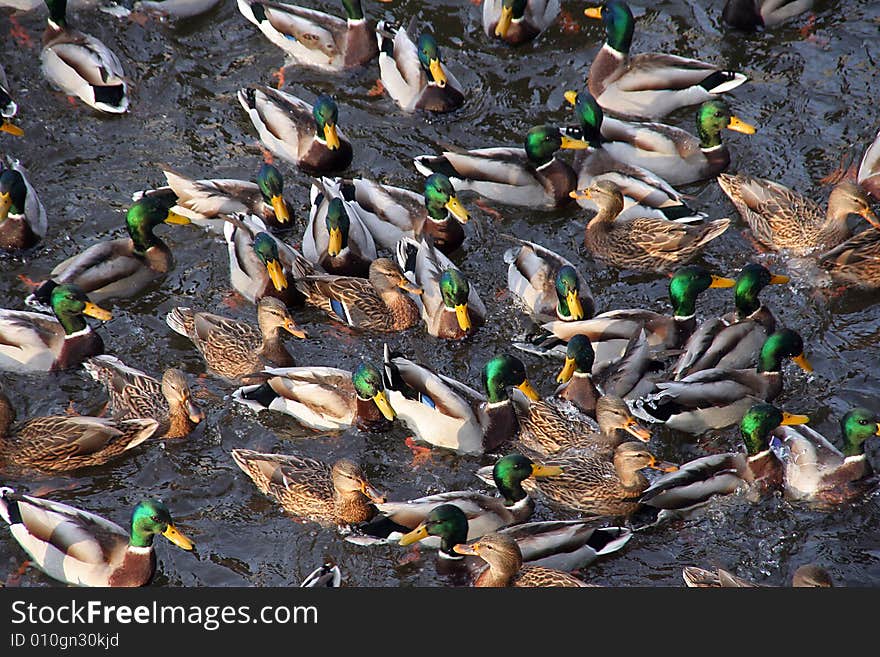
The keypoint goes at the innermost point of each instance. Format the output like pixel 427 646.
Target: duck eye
pixel 154 518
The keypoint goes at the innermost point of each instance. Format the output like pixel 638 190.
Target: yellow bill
pixel 802 362
pixel 738 125
pixel 94 310
pixel 335 245
pixel 546 470
pixel 529 391
pixel 14 130
pixel 593 12
pixel 414 536
pixel 279 205
pixel 5 204
pixel 331 137
pixel 779 279
pixel 463 317
pixel 176 219
pixel 789 419
pixel 567 370
pixel 504 22
pixel 574 304
pixel 456 209
pixel 173 534
pixel 571 96
pixel 573 144
pixel 381 401
pixel 720 281
pixel 437 72
pixel 276 274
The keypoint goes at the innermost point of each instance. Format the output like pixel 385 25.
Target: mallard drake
pixel 719 397
pixel 323 398
pixel 734 340
pixel 855 262
pixel 780 218
pixel 806 576
pixel 336 238
pixel 206 202
pixel 293 130
pixel 675 155
pixel 83 549
pixel 121 267
pixel 518 21
pixel 506 568
pixel 34 342
pixel 136 394
pixel 22 216
pixel 560 544
pixel 814 470
pixel 868 174
pixel 327 575
pixel 376 303
pixel 648 85
pixel 752 14
pixel 547 284
pixel 393 212
pixel 446 413
pixel 414 75
pixel 60 443
pixel 314 38
pixel 449 304
pixel 531 176
pixel 756 470
pixel 233 349
pixel 81 65
pixel 338 494
pixel 641 243
pixel 576 377
pixel 8 107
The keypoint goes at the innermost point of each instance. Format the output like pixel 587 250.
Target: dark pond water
pixel 813 100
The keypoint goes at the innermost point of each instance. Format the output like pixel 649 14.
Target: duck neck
pixel 496 576
pixel 73 324
pixel 352 506
pixel 607 213
pixel 630 478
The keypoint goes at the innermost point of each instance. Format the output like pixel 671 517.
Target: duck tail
pixel 181 320
pixel 9 506
pixel 713 229
pixel 720 82
pixel 431 164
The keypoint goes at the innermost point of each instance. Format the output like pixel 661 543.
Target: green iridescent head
pixel 782 344
pixel 856 426
pixel 368 385
pixel 503 372
pixel 267 251
pixel 13 193
pixel 448 522
pixel 760 420
pixel 69 303
pixel 441 201
pixel 751 280
pixel 143 216
pixel 338 225
pixel 542 142
pixel 619 23
pixel 568 287
pixel 429 58
pixel 713 116
pixel 353 10
pixel 152 517
pixel 579 357
pixel 687 283
pixel 589 115
pixel 271 184
pixel 326 114
pixel 511 470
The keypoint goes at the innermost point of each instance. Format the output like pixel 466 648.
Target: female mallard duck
pixel 83 549
pixel 314 38
pixel 648 85
pixel 234 349
pixel 675 155
pixel 752 14
pixel 518 21
pixel 336 238
pixel 414 75
pixel 560 544
pixel 531 176
pixel 293 130
pixel 855 262
pixel 323 398
pixel 136 394
pixel 446 413
pixel 34 342
pixel 506 568
pixel 449 303
pixel 60 443
pixel 117 268
pixel 393 212
pixel 377 303
pixel 641 243
pixel 734 340
pixel 719 397
pixel 8 107
pixel 206 202
pixel 814 470
pixel 81 65
pixel 548 284
pixel 868 174
pixel 22 216
pixel 806 576
pixel 339 494
pixel 756 470
pixel 780 218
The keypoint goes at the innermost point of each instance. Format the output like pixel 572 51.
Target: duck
pixel 336 239
pixel 62 443
pixel 232 348
pixel 815 470
pixel 518 21
pixel 575 379
pixel 322 398
pixel 806 576
pixel 648 86
pixel 780 218
pixel 735 339
pixel 752 14
pixel 36 342
pixel 327 575
pixel 305 135
pixel 391 212
pixel 506 568
pixel 81 65
pixel 117 268
pixel 855 262
pixel 531 176
pixel 135 394
pixel 641 243
pixel 80 548
pixel 546 283
pixel 559 544
pixel 755 471
pixel 446 413
pixel 314 38
pixel 413 73
pixel 8 108
pixel 206 202
pixel 377 303
pixel 450 304
pixel 675 155
pixel 719 397
pixel 868 174
pixel 23 221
